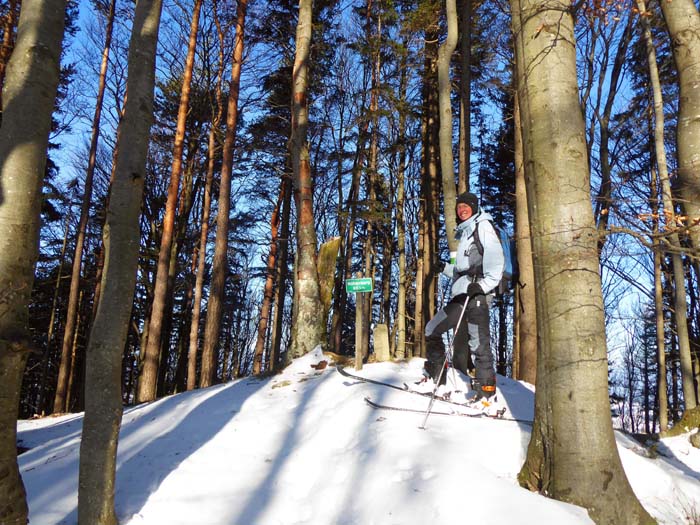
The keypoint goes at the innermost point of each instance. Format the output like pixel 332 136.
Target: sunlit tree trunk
pixel 572 454
pixel 59 404
pixel 149 373
pixel 9 26
pixel 220 262
pixel 449 189
pixel 307 327
pixel 683 24
pixel 206 210
pixel 526 315
pixel 465 47
pixel 679 296
pixel 268 291
pixel 103 402
pixel 401 219
pixel 29 93
pixel 281 276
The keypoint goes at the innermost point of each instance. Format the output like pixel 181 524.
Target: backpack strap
pixel 477 240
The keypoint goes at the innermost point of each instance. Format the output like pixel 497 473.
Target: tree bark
pixel 683 24
pixel 308 327
pixel 526 304
pixel 206 210
pixel 465 91
pixel 59 403
pixel 9 25
pixel 220 262
pixel 679 297
pixel 268 293
pixel 28 99
pixel 449 189
pixel 103 404
pixel 572 454
pixel 401 220
pixel 282 274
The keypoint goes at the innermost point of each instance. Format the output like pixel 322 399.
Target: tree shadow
pixel 191 430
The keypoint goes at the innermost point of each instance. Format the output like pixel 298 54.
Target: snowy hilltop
pixel 303 447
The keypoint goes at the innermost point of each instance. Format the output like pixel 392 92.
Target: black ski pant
pixel 472 337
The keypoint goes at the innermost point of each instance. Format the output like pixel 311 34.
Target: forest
pixel 186 187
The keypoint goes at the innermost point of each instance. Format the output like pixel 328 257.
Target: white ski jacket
pixel 470 266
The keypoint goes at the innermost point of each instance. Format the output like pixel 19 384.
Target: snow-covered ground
pixel 304 448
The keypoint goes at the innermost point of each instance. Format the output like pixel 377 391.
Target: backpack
pixel 510 259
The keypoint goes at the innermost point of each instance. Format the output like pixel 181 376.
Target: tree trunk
pixel 683 24
pixel 103 402
pixel 449 189
pixel 465 91
pixel 307 328
pixel 572 453
pixel 401 220
pixel 9 25
pixel 149 373
pixel 268 293
pixel 28 100
pixel 206 210
pixel 220 262
pixel 281 280
pixel 59 403
pixel 680 301
pixel 526 304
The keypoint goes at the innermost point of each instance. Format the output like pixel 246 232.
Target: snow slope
pixel 303 448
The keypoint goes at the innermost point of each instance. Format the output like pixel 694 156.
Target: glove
pixel 439 266
pixel 474 289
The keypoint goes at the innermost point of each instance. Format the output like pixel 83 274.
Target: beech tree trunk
pixel 401 220
pixel 149 373
pixel 679 296
pixel 103 404
pixel 683 24
pixel 59 403
pixel 29 94
pixel 220 262
pixel 572 454
pixel 307 327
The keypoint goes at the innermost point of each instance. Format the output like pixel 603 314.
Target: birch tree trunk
pixel 308 327
pixel 103 402
pixel 59 403
pixel 220 262
pixel 449 189
pixel 572 454
pixel 679 296
pixel 683 24
pixel 29 94
pixel 149 373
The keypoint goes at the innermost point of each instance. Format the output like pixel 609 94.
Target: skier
pixel 476 271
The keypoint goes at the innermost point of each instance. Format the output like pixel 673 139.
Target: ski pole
pixel 442 369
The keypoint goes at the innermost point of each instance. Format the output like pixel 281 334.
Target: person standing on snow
pixel 476 272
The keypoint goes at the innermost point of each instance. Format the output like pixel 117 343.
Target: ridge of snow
pixel 302 447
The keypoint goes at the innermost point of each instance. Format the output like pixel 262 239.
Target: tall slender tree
pixel 59 404
pixel 220 263
pixel 103 407
pixel 149 372
pixel 308 327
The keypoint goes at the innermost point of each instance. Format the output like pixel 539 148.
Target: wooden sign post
pixel 358 286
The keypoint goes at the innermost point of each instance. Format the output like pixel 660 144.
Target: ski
pixel 498 415
pixel 404 388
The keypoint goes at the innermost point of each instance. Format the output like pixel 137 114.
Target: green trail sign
pixel 363 284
